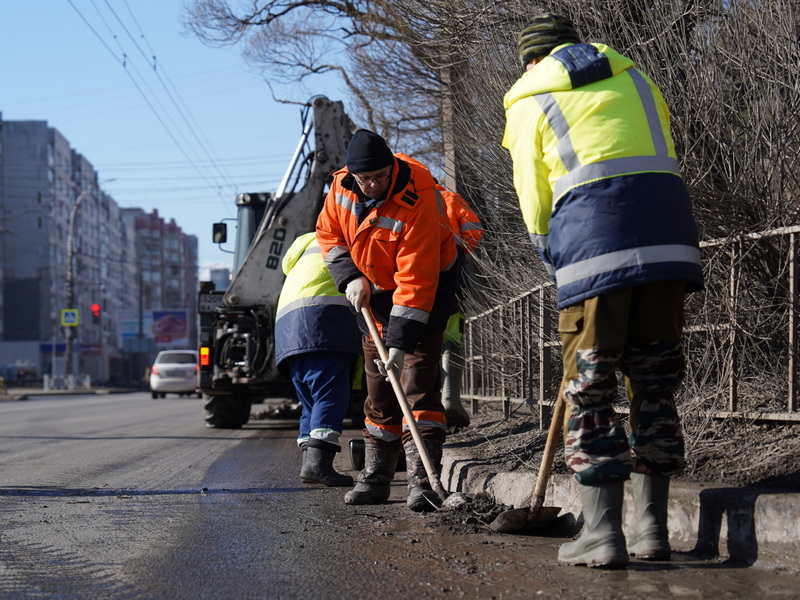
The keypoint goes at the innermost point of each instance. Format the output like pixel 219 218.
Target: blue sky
pixel 183 138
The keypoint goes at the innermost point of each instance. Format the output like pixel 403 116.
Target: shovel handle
pixel 433 476
pixel 556 423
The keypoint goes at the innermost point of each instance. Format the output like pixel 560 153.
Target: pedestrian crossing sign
pixel 69 317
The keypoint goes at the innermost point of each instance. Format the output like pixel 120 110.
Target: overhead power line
pixel 168 107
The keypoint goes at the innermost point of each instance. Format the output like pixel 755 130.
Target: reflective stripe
pixel 390 433
pixel 346 202
pixel 312 301
pixel 311 249
pixel 425 425
pixel 440 202
pixel 560 127
pixel 470 227
pixel 614 168
pixel 580 174
pixel 390 224
pixel 621 259
pixel 540 241
pixel 336 252
pixel 412 314
pixel 650 110
pixel 427 419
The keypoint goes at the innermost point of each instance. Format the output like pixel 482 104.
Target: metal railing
pixel 740 337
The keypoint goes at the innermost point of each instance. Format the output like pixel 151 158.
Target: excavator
pixel 235 326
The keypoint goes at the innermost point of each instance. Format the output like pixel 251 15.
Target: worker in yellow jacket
pixel 606 208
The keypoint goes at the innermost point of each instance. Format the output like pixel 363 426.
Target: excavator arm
pixel 237 325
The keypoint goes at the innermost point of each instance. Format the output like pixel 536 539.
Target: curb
pixel 741 525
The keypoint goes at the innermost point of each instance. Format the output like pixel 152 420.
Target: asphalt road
pixel 123 496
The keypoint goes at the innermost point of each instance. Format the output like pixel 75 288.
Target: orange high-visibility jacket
pixel 463 221
pixel 404 246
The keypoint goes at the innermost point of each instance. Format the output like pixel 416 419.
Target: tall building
pixel 53 207
pixel 168 274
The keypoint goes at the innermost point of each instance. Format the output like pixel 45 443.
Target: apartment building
pixel 53 207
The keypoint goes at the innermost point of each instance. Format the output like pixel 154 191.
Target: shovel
pixel 433 476
pixel 536 516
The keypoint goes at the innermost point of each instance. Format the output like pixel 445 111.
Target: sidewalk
pixel 24 393
pixel 744 525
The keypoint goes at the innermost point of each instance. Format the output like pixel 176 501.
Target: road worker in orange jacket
pixel 468 229
pixel 385 238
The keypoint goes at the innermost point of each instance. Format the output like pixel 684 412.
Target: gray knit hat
pixel 544 33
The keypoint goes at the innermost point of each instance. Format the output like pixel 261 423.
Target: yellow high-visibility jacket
pixel 597 176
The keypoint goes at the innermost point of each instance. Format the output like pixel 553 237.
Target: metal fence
pixel 740 337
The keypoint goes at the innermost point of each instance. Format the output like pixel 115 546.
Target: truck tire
pixel 226 412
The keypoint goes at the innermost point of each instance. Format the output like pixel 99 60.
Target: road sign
pixel 69 317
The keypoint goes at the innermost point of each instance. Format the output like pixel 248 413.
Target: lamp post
pixel 70 366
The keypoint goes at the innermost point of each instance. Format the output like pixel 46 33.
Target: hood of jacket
pixel 296 250
pixel 550 75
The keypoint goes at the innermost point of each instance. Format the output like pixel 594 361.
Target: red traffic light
pixel 95 309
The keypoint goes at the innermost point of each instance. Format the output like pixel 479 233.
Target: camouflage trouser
pixel 638 332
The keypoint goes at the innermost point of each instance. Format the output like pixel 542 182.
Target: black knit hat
pixel 367 151
pixel 544 33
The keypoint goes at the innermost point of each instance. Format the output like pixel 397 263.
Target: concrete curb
pixel 742 525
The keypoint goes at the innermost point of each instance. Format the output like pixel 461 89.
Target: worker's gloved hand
pixel 394 362
pixel 357 292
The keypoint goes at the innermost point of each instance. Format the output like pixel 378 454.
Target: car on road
pixel 174 372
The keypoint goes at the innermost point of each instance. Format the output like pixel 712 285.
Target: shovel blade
pixel 510 520
pixel 524 519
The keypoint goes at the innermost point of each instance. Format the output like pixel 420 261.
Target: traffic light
pixel 96 310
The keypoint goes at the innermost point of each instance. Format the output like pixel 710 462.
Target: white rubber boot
pixel 601 542
pixel 648 536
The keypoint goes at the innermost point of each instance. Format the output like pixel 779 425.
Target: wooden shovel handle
pixel 556 425
pixel 430 470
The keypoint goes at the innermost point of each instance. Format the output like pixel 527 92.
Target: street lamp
pixel 71 283
pixel 70 370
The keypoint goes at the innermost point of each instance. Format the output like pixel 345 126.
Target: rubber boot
pixel 318 468
pixel 648 536
pixel 303 448
pixel 421 497
pixel 373 483
pixel 454 411
pixel 601 543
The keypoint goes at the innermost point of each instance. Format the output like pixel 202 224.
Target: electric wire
pixel 217 182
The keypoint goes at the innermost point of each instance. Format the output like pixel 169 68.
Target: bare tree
pixel 430 75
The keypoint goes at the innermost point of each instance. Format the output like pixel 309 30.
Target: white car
pixel 174 372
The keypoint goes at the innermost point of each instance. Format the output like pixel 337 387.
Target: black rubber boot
pixel 318 468
pixel 373 483
pixel 421 497
pixel 648 536
pixel 303 448
pixel 601 543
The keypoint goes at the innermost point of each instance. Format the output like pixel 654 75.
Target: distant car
pixel 174 372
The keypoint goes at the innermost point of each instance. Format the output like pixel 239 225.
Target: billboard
pixel 168 328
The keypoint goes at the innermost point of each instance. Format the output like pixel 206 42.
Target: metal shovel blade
pixel 524 519
pixel 536 515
